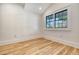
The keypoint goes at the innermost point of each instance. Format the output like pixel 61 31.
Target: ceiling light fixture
pixel 40 8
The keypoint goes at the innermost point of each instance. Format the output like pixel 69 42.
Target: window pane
pixel 47 25
pixel 57 18
pixel 64 24
pixel 57 24
pixel 60 25
pixel 65 13
pixel 61 19
pixel 50 21
pixel 52 24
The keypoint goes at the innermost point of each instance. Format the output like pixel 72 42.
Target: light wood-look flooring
pixel 38 47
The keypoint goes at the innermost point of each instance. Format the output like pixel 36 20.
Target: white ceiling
pixel 21 4
pixel 34 7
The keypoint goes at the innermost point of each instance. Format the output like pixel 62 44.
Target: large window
pixel 57 20
pixel 49 21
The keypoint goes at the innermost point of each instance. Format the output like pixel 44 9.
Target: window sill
pixel 58 29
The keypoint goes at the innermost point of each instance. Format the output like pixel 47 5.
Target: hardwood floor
pixel 38 47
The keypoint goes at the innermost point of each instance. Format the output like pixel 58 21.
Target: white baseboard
pixel 34 36
pixel 69 43
pixel 14 40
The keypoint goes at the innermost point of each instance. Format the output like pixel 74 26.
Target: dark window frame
pixel 61 19
pixel 54 16
pixel 49 20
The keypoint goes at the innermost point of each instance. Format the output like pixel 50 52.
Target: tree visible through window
pixel 57 20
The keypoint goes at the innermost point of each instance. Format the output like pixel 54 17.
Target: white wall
pixel 70 36
pixel 16 23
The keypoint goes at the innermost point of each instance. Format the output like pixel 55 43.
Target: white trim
pixel 14 40
pixel 69 43
pixel 69 28
pixel 34 36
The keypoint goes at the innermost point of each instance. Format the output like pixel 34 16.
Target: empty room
pixel 39 29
